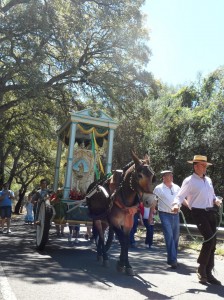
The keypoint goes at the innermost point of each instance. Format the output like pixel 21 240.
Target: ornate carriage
pixel 88 137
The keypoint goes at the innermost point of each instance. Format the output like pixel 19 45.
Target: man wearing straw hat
pixel 200 195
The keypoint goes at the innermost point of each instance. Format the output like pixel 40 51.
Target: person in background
pixel 29 217
pixel 136 217
pixel 60 229
pixel 134 230
pixel 166 192
pixel 40 194
pixel 74 232
pixel 199 192
pixel 88 232
pixel 6 197
pixel 147 214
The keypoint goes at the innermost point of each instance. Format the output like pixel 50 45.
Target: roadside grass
pixel 186 242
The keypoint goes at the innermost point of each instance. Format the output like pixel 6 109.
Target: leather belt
pixel 164 212
pixel 214 209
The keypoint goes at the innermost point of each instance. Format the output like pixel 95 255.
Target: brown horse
pixel 120 192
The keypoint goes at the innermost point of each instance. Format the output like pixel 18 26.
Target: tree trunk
pixel 20 201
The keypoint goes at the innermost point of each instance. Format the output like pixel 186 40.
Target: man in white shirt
pixel 166 192
pixel 200 195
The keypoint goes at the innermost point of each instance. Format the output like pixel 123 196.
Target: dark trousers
pixel 206 222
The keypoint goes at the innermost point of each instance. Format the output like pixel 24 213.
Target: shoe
pixel 211 279
pixel 76 241
pixel 201 273
pixel 174 265
pixel 86 237
pixel 9 231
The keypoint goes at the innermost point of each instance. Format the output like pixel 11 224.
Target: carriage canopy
pixel 89 129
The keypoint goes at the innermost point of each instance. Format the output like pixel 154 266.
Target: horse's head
pixel 142 174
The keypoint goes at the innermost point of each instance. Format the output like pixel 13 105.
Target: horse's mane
pixel 127 166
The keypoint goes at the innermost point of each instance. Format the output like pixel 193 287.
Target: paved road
pixel 71 272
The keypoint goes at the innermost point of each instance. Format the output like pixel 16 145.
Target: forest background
pixel 59 56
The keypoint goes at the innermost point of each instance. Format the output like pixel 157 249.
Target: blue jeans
pixel 171 230
pixel 149 232
pixel 134 230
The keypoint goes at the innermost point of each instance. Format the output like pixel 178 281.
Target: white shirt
pixel 198 191
pixel 166 196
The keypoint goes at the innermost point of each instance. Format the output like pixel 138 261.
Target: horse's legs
pixel 101 253
pixel 123 263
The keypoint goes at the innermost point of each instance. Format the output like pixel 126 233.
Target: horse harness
pixel 115 185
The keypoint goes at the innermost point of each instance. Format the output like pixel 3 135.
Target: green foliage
pixel 188 122
pixel 54 56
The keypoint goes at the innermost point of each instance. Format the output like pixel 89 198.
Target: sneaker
pixel 9 231
pixel 76 241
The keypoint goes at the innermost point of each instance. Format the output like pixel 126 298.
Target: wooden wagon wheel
pixel 43 219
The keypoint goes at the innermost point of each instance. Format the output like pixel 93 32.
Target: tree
pixel 87 47
pixel 188 122
pixel 58 55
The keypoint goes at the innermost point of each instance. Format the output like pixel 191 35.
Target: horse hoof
pixel 120 268
pixel 129 271
pixel 100 258
pixel 106 263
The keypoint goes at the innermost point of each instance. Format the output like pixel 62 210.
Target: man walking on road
pixel 200 195
pixel 166 192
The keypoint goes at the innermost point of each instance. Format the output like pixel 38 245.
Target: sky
pixel 186 38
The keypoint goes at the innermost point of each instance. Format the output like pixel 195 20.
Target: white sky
pixel 186 38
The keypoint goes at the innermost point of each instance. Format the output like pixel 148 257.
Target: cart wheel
pixel 44 214
pixel 108 238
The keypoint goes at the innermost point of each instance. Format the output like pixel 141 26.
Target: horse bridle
pixel 135 173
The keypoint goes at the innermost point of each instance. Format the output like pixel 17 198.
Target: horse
pixel 118 195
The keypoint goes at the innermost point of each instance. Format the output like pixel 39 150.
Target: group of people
pixel 196 192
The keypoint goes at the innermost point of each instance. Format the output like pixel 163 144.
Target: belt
pixel 169 213
pixel 214 209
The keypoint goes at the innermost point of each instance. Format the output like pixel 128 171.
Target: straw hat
pixel 199 158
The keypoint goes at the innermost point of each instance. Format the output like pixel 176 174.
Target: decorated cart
pixel 87 138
